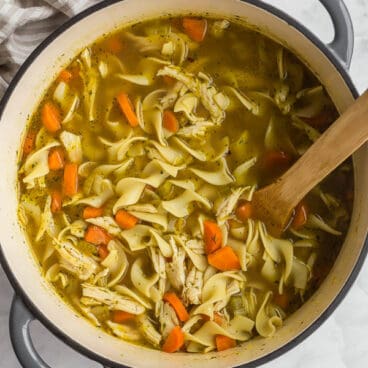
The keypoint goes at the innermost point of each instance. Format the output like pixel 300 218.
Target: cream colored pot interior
pixel 22 102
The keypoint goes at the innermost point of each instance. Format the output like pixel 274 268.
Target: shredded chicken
pixel 228 204
pixel 158 261
pixel 168 319
pixel 75 261
pixel 195 131
pixel 175 270
pixel 114 300
pixel 148 330
pixel 192 291
pixel 201 88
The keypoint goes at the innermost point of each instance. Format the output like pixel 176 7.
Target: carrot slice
pixel 97 235
pixel 28 143
pixel 65 76
pixel 244 211
pixel 170 122
pixel 91 212
pixel 51 117
pixel 56 159
pixel 127 109
pixel 103 252
pixel 212 236
pixel 281 300
pixel 276 160
pixel 76 80
pixel 178 306
pixel 205 317
pixel 224 342
pixel 195 28
pixel 121 316
pixel 224 259
pixel 75 71
pixel 300 216
pixel 56 201
pixel 217 318
pixel 70 179
pixel 114 45
pixel 168 80
pixel 125 220
pixel 174 341
pixel 322 120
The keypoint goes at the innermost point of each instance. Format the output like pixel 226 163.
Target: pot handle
pixel 343 43
pixel 19 327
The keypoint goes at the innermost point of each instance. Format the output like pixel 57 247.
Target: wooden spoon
pixel 275 203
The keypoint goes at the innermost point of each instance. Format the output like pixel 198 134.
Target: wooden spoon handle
pixel 336 144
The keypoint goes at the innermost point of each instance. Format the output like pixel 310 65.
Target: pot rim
pixel 89 353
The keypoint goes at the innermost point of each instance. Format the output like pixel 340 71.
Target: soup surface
pixel 136 180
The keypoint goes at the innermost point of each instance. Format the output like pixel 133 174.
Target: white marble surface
pixel 342 341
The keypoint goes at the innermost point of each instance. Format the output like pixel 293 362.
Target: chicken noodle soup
pixel 136 181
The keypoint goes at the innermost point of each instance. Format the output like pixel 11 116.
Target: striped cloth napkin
pixel 24 24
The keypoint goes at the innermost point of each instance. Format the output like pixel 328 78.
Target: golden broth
pixel 277 110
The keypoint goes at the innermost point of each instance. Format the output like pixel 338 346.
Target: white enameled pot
pixel 25 93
